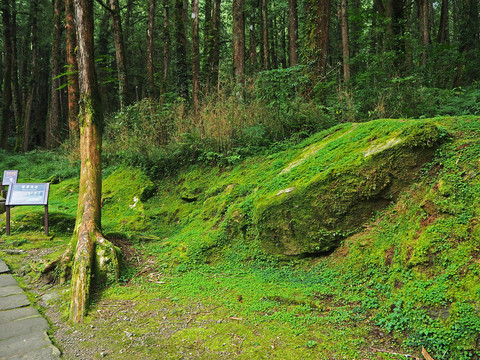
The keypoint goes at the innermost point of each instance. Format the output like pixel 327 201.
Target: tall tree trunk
pixel 443 36
pixel 283 41
pixel 87 241
pixel 318 11
pixel 72 77
pixel 120 55
pixel 345 41
pixel 7 113
pixel 265 50
pixel 195 56
pixel 239 42
pixel 181 50
pixel 395 10
pixel 150 49
pixel 252 44
pixel 16 94
pixel 128 22
pixel 213 46
pixel 33 88
pixel 53 122
pixel 166 48
pixel 423 16
pixel 292 32
pixel 273 37
pixel 103 46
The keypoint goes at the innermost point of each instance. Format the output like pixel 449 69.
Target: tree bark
pixel 252 48
pixel 166 47
pixel 87 242
pixel 319 26
pixel 16 93
pixel 292 32
pixel 33 87
pixel 423 15
pixel 181 50
pixel 120 55
pixel 213 46
pixel 53 122
pixel 72 70
pixel 283 40
pixel 7 113
pixel 195 57
pixel 239 42
pixel 442 36
pixel 345 41
pixel 150 49
pixel 265 47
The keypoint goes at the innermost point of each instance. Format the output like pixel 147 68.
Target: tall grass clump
pixel 162 136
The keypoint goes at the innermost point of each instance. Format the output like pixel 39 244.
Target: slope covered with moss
pixel 362 241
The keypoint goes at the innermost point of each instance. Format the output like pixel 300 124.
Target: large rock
pixel 327 200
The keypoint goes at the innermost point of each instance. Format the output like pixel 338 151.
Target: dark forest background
pixel 217 79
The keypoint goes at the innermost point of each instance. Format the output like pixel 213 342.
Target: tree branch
pixel 104 5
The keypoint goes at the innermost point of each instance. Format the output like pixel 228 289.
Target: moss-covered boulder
pixel 338 182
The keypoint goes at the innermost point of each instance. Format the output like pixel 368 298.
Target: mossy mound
pixel 336 188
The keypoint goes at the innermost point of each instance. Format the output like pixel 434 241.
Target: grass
pixel 198 282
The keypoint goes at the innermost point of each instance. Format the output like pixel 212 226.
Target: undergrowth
pixel 407 279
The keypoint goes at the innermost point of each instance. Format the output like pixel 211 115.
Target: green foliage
pixel 163 138
pixel 409 277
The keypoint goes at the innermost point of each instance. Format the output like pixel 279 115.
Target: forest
pixel 183 65
pixel 246 178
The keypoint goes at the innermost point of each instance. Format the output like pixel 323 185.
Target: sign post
pixel 23 194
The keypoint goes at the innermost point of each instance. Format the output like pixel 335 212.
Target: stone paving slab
pixel 13 301
pixel 3 268
pixel 33 346
pixel 10 290
pixel 23 331
pixel 7 280
pixel 23 327
pixel 17 314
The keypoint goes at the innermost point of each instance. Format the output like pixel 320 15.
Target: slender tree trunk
pixel 252 45
pixel 120 54
pixel 423 15
pixel 181 50
pixel 213 47
pixel 53 122
pixel 128 22
pixel 16 93
pixel 273 40
pixel 345 41
pixel 103 46
pixel 7 113
pixel 292 32
pixel 443 36
pixel 167 44
pixel 72 68
pixel 87 241
pixel 33 88
pixel 150 49
pixel 195 56
pixel 283 41
pixel 265 51
pixel 239 41
pixel 318 27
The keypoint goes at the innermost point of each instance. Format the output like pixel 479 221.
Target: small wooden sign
pixel 9 177
pixel 22 194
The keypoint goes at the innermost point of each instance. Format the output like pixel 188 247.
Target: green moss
pixel 332 200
